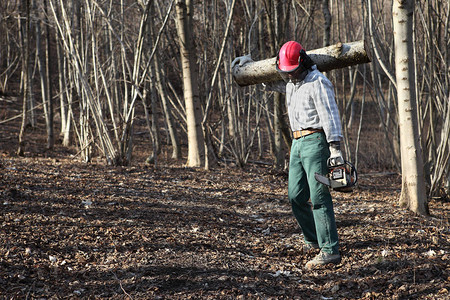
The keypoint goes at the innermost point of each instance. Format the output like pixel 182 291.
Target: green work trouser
pixel 309 155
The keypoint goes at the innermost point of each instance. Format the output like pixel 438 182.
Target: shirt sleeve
pixel 327 110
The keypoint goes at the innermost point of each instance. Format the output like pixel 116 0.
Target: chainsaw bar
pixel 322 179
pixel 341 178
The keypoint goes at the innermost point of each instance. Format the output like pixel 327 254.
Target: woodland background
pixel 98 196
pixel 85 66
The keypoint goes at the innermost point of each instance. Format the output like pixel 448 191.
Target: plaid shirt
pixel 311 104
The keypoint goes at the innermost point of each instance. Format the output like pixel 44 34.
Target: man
pixel 316 127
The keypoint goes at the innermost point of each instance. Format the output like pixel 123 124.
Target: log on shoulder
pixel 328 58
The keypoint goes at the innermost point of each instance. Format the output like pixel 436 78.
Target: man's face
pixel 295 75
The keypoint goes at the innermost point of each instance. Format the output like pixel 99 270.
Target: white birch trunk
pixel 413 194
pixel 190 84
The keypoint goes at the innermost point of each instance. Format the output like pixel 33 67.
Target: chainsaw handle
pixel 337 161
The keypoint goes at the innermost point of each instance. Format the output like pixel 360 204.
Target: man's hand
pixel 336 157
pixel 241 60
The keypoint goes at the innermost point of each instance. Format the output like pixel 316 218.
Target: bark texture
pixel 190 83
pixel 328 58
pixel 413 193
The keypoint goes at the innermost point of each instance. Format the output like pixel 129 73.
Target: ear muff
pixel 305 60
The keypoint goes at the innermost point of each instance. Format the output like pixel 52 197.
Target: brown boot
pixel 323 258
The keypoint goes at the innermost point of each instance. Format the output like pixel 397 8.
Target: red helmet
pixel 288 57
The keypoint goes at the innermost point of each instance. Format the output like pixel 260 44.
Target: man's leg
pixel 315 153
pixel 298 193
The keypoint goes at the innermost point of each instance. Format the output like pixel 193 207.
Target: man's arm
pixel 329 117
pixel 327 110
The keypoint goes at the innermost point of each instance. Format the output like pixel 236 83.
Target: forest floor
pixel 74 230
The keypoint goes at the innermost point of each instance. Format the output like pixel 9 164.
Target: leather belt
pixel 301 133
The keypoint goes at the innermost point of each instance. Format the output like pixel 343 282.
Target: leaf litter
pixel 69 229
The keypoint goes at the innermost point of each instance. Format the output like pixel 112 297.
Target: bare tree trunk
pixel 65 90
pixel 264 96
pixel 126 140
pixel 361 118
pixel 156 140
pixel 278 99
pixel 42 59
pixel 184 9
pixel 278 134
pixel 274 29
pixel 413 193
pixel 65 97
pixel 25 42
pixel 48 62
pixel 160 81
pixel 210 156
pixel 326 23
pixel 161 87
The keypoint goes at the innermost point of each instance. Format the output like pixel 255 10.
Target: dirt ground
pixel 75 230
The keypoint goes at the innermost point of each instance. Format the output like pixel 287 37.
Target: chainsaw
pixel 341 177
